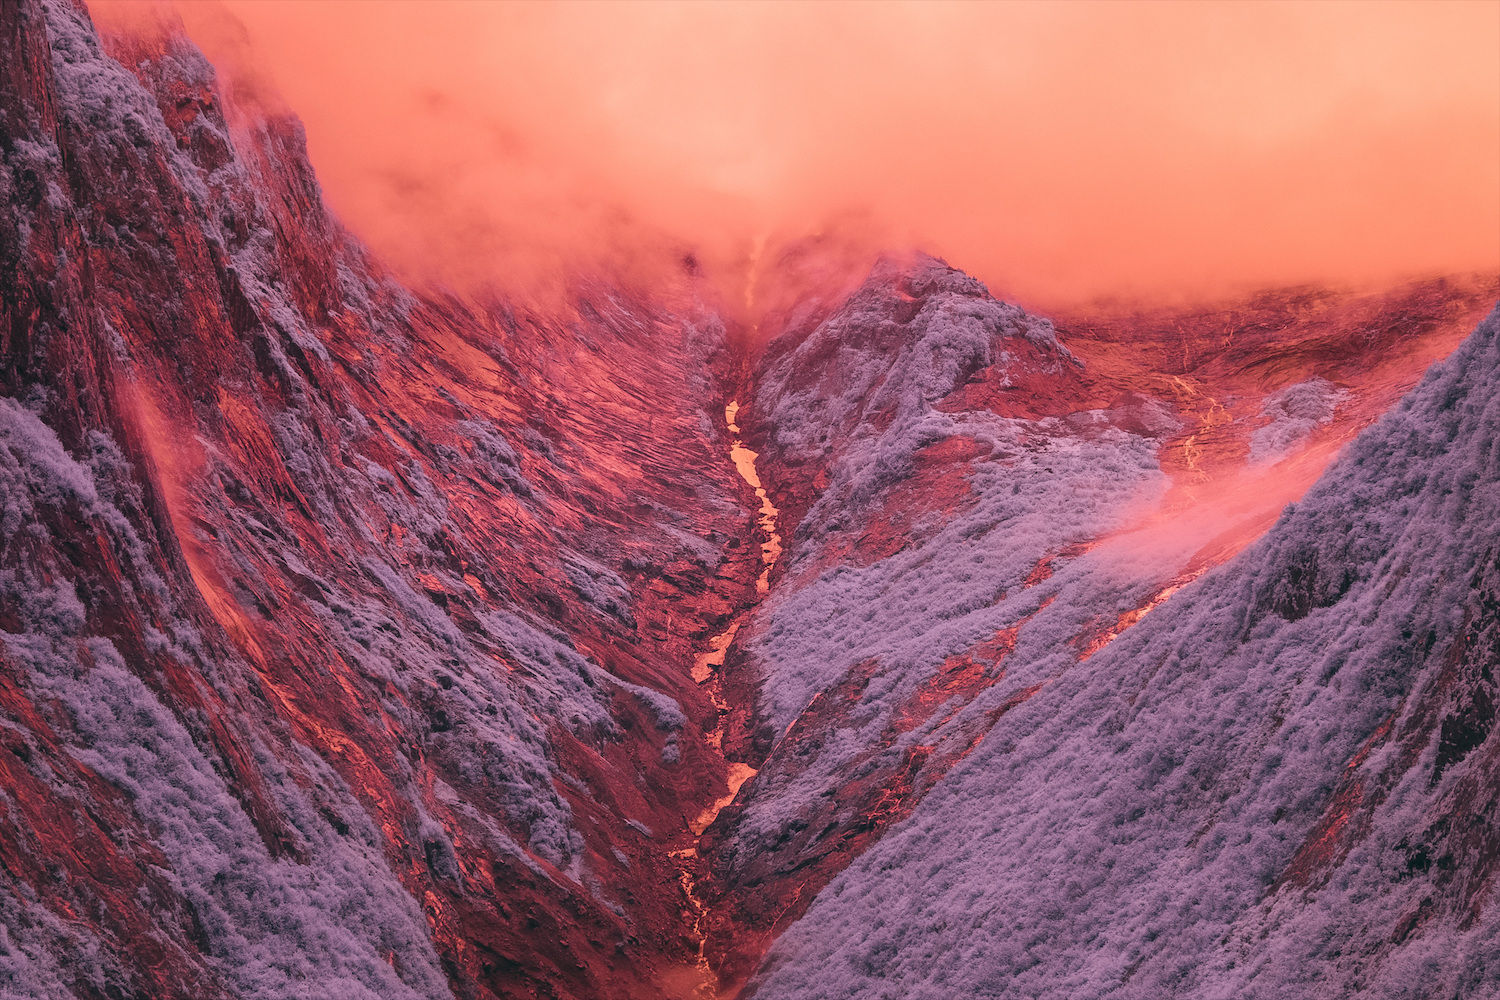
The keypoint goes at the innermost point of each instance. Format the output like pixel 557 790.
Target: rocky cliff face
pixel 344 631
pixel 356 642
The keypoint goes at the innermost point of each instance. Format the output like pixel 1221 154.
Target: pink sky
pixel 1058 151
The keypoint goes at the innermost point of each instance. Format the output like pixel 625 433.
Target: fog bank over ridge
pixel 1058 152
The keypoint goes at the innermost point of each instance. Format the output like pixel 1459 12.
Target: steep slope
pixel 1279 784
pixel 964 496
pixel 345 635
pixel 363 643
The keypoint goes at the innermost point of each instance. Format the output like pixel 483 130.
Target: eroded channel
pixel 708 672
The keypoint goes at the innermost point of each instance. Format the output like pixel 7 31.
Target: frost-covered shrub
pixel 1130 830
pixel 600 586
pixel 1294 413
pixel 275 927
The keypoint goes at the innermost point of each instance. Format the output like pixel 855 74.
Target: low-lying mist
pixel 1059 152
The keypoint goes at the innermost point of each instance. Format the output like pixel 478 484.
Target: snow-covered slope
pixel 1282 783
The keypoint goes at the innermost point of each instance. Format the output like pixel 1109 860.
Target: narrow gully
pixel 707 671
pixel 744 462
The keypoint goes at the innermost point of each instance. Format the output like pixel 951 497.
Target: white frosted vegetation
pixel 277 926
pixel 871 357
pixel 1293 413
pixel 449 682
pixel 1038 487
pixel 1119 834
pixel 1124 833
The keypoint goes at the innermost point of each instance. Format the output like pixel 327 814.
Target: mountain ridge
pixel 348 632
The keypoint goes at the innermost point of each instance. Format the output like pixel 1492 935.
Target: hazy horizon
pixel 1059 152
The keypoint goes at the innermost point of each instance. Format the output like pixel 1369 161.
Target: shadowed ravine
pixel 744 462
pixel 707 672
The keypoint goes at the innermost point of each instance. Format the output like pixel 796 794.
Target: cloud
pixel 1059 152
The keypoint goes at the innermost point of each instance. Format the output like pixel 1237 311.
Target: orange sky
pixel 1059 151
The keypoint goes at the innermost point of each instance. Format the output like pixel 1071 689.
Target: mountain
pixel 1281 784
pixel 975 510
pixel 360 641
pixel 344 629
